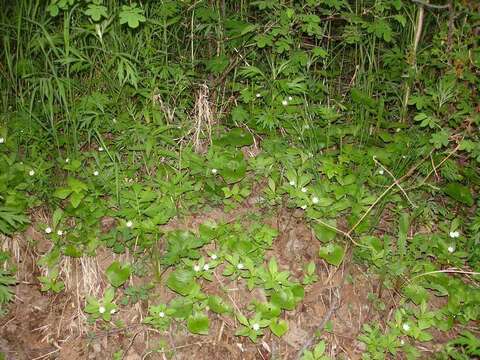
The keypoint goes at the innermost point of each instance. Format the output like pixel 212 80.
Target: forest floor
pixel 39 326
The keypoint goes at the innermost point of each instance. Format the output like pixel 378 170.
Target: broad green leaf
pixel 284 299
pixel 217 305
pixel 72 251
pixel 362 98
pixel 117 274
pixel 76 185
pixel 132 15
pixel 332 253
pixel 237 137
pixel 324 233
pixel 459 192
pixel 181 281
pixel 96 12
pixel 416 293
pixel 324 201
pixel 62 193
pixel 217 64
pixel 272 266
pixel 109 295
pixel 278 327
pixel 198 324
pixel 76 198
pixel 56 217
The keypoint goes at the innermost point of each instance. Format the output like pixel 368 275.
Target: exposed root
pixel 203 119
pixel 12 246
pixel 168 112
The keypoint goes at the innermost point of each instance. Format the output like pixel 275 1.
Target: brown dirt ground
pixel 40 326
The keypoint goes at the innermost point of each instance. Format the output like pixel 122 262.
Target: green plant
pixel 318 352
pixel 51 282
pixel 102 308
pixel 6 294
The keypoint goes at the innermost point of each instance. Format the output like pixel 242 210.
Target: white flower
pixel 404 157
pixel 402 342
pixel 284 102
pixel 59 232
pixel 292 183
pixel 101 309
pixel 398 130
pixel 100 148
pixel 454 234
pixel 31 172
pixel 114 120
pixel 406 327
pixel 315 200
pixel 290 98
pixel 214 171
pixel 112 311
pixel 380 171
pixel 258 95
pixel 240 266
pixel 48 230
pixel 2 140
pixel 451 249
pixel 129 224
pixel 306 126
pixel 214 256
pixel 256 327
pixel 161 314
pixel 206 267
pixel 196 268
pixel 95 173
pixel 67 160
pixel 304 189
pixel 303 207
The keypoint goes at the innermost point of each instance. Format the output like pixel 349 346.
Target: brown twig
pixel 334 305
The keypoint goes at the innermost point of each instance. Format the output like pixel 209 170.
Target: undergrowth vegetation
pixel 119 119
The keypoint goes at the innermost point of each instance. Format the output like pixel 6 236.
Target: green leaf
pixel 403 226
pixel 217 64
pixel 332 253
pixel 76 198
pixel 76 185
pixel 237 137
pixel 319 349
pixel 416 293
pixel 279 327
pixel 73 251
pixel 132 15
pixel 362 98
pixel 324 233
pixel 109 295
pixel 440 139
pixel 272 266
pixel 284 299
pixel 53 10
pixel 381 29
pixel 96 12
pixel 198 324
pixel 217 305
pixel 117 274
pixel 459 192
pixel 62 193
pixel 56 217
pixel 181 281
